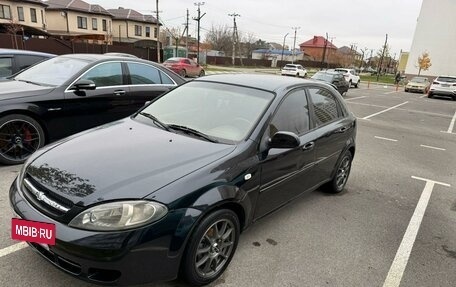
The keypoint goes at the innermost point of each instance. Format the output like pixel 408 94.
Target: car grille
pixel 46 201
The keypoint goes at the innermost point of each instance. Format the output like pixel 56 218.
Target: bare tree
pixel 248 40
pixel 12 28
pixel 221 39
pixel 424 62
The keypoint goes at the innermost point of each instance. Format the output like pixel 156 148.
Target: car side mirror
pixel 84 85
pixel 284 140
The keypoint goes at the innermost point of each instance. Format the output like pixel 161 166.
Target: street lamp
pixel 283 46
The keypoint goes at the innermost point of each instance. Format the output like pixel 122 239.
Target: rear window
pixel 342 70
pixel 290 66
pixel 447 79
pixel 418 80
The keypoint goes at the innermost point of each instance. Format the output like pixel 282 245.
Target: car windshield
pixel 323 77
pixel 446 79
pixel 53 72
pixel 224 112
pixel 418 80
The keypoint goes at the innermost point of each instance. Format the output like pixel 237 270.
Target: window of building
pixel 103 23
pixel 20 14
pixel 325 106
pixel 138 30
pixel 82 22
pixel 5 12
pixel 94 24
pixel 33 15
pixel 292 114
pixel 155 32
pixel 147 31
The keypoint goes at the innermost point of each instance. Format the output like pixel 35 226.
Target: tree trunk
pixel 419 71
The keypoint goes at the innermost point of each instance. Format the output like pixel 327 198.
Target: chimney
pixel 121 8
pixel 315 39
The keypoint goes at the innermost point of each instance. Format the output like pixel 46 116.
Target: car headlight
pixel 121 215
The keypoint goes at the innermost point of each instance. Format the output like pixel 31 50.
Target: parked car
pixel 443 86
pixel 184 67
pixel 71 93
pixel 350 75
pixel 168 190
pixel 333 78
pixel 13 61
pixel 294 70
pixel 418 84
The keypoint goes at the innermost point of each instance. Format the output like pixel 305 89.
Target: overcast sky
pixel 360 22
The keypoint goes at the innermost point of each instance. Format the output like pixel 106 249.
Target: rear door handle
pixel 119 93
pixel 308 146
pixel 342 130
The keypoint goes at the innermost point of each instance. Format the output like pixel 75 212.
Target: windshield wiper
pixel 155 120
pixel 29 82
pixel 193 132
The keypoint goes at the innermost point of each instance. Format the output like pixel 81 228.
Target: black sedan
pixel 171 188
pixel 71 93
pixel 334 78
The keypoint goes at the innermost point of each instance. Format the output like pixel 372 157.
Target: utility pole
pixel 361 64
pixel 329 52
pixel 233 57
pixel 294 44
pixel 198 19
pixel 324 51
pixel 158 35
pixel 381 59
pixel 283 46
pixel 186 37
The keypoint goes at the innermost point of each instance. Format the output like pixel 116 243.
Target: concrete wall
pixel 27 14
pixel 435 33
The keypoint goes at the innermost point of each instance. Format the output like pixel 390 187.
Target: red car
pixel 184 67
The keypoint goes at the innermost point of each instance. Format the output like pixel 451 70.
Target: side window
pixel 187 62
pixel 324 105
pixel 165 79
pixel 141 74
pixel 292 114
pixel 24 61
pixel 104 75
pixel 6 67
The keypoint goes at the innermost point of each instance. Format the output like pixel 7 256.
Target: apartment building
pixel 28 15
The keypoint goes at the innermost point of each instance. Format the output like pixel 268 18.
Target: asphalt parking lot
pixel 395 225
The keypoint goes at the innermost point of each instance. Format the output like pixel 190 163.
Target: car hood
pixel 10 89
pixel 121 160
pixel 416 84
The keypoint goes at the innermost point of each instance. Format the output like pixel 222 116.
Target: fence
pixel 227 61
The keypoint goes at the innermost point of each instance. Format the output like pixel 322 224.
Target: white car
pixel 443 86
pixel 350 76
pixel 294 70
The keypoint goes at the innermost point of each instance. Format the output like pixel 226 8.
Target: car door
pixel 108 102
pixel 146 83
pixel 332 132
pixel 285 173
pixel 195 68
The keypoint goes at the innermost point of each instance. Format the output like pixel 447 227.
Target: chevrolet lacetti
pixel 166 192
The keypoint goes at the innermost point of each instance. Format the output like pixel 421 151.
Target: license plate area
pixel 41 233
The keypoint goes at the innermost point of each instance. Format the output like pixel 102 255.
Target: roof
pixel 77 5
pixel 38 2
pixel 24 52
pixel 264 82
pixel 133 15
pixel 317 42
pixel 276 52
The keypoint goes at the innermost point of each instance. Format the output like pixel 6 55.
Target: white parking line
pixel 381 112
pixel 403 253
pixel 432 147
pixel 12 248
pixel 386 139
pixel 355 98
pixel 390 93
pixel 450 128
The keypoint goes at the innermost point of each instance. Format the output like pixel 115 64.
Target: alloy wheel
pixel 18 140
pixel 342 173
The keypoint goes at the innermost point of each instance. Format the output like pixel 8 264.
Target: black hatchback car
pixel 334 78
pixel 170 188
pixel 71 93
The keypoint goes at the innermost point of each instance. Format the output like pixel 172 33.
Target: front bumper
pixel 147 254
pixel 415 89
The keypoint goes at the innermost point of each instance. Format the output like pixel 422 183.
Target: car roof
pixel 24 52
pixel 329 72
pixel 264 82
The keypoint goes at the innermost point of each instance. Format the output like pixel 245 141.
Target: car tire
pixel 349 84
pixel 206 241
pixel 357 84
pixel 27 138
pixel 406 90
pixel 183 73
pixel 341 174
pixel 430 95
pixel 202 73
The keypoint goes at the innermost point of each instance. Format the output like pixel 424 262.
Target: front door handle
pixel 342 130
pixel 308 146
pixel 119 93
